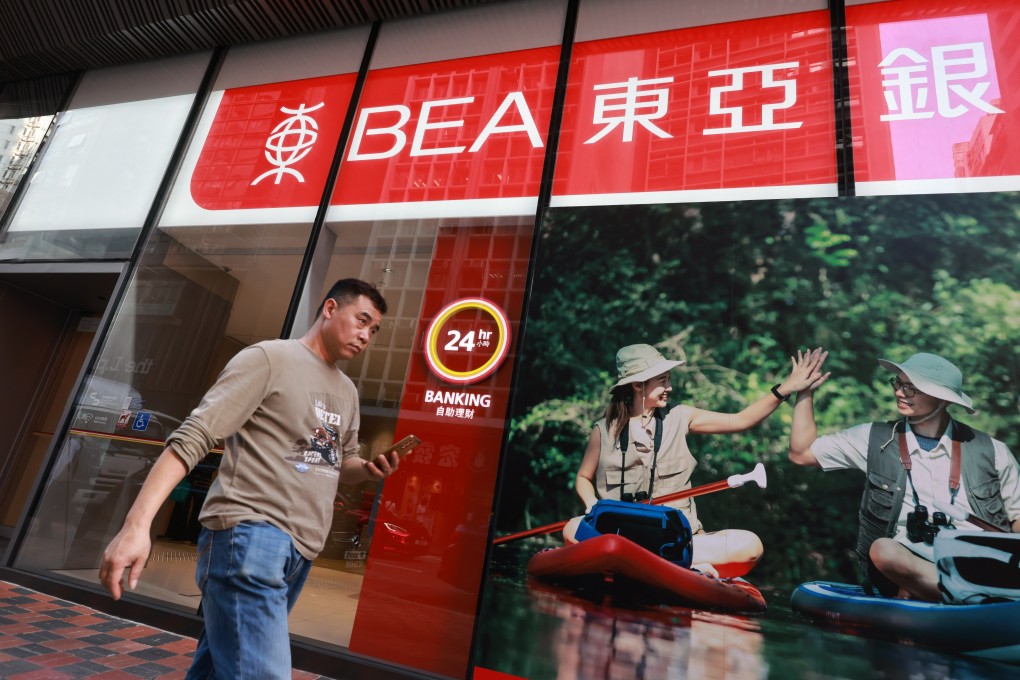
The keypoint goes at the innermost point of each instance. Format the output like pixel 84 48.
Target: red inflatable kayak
pixel 614 558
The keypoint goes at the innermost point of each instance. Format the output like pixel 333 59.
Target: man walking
pixel 288 419
pixel 925 456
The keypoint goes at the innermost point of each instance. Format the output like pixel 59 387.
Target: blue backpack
pixel 661 529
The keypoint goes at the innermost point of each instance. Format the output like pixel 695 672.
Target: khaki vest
pixel 887 483
pixel 673 467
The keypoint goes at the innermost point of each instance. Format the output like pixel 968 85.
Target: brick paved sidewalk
pixel 45 638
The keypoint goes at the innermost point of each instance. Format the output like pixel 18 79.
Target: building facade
pixel 532 184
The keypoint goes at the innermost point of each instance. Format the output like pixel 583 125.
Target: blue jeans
pixel 250 577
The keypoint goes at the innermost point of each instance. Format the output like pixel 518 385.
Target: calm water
pixel 540 633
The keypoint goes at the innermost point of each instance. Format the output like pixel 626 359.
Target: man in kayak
pixel 639 449
pixel 926 458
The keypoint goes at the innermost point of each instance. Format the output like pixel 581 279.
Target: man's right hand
pixel 806 373
pixel 130 547
pixel 803 431
pixel 129 550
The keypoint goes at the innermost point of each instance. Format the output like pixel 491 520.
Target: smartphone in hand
pixel 402 447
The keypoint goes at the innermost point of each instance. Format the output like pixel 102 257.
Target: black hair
pixel 346 291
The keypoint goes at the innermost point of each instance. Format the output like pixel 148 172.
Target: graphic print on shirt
pixel 322 445
pixel 323 442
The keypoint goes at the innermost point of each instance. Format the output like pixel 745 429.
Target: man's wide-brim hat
pixel 935 376
pixel 638 363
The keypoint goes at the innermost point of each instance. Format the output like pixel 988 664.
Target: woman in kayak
pixel 639 449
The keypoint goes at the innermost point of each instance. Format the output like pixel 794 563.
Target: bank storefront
pixel 531 185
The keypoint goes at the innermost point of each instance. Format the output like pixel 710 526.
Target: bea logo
pixel 512 116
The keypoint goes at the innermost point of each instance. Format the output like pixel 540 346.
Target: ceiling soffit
pixel 47 37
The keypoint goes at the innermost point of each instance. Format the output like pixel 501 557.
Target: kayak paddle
pixel 757 475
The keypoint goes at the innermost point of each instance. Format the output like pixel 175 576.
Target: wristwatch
pixel 778 395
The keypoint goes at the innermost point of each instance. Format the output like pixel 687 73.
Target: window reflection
pixel 26 110
pixel 19 140
pixel 95 182
pixel 201 295
pixel 198 297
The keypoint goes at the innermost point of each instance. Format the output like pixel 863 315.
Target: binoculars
pixel 921 529
pixel 639 497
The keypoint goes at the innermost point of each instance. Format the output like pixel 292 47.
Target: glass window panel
pixel 26 111
pixel 440 496
pixel 454 115
pixel 406 219
pixel 98 176
pixel 204 290
pixel 735 288
pixel 268 134
pixel 697 103
pixel 929 96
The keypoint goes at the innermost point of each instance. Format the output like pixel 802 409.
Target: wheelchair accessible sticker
pixel 467 341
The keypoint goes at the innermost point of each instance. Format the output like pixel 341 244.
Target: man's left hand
pixel 382 466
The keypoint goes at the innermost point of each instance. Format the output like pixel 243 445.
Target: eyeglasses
pixel 908 389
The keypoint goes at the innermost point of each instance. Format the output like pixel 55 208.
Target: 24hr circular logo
pixel 467 341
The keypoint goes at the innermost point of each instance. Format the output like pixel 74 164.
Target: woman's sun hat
pixel 935 376
pixel 638 363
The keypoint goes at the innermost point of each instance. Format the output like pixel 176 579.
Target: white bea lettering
pixel 457 398
pixel 527 122
pixel 424 125
pixel 366 127
pixel 362 130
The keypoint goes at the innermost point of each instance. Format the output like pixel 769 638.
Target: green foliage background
pixel 735 289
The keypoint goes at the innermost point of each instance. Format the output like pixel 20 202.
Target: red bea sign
pixel 460 130
pixel 467 129
pixel 270 146
pixel 735 105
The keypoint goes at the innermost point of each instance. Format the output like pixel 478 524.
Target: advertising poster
pixel 734 290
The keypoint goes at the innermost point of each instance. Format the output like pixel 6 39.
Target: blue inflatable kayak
pixel 991 631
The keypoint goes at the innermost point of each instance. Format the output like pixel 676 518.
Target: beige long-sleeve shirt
pixel 287 420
